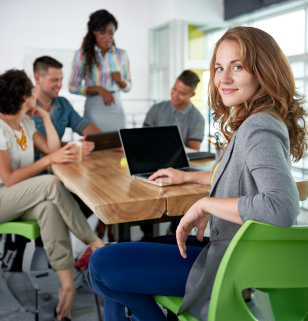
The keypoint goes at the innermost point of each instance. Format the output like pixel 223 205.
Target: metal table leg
pixel 122 232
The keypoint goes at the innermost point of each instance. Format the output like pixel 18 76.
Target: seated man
pixel 48 82
pixel 180 111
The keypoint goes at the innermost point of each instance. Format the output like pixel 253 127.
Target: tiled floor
pixel 17 296
pixel 20 286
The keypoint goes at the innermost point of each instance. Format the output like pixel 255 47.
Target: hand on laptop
pixel 168 176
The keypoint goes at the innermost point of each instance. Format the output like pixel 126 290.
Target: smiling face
pixel 234 83
pixel 104 38
pixel 181 94
pixel 49 83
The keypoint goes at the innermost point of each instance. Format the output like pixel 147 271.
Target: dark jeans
pixel 171 239
pixel 128 274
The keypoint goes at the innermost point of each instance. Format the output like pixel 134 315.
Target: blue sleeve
pixel 76 122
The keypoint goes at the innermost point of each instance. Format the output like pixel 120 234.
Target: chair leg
pixel 36 306
pixel 98 308
pixel 97 304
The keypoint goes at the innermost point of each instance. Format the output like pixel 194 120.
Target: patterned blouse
pixel 115 60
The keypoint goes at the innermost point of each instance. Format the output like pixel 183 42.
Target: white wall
pixel 203 11
pixel 56 28
pixel 61 24
pixel 199 11
pixel 160 12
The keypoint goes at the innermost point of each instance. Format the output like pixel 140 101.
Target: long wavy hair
pixel 277 95
pixel 98 22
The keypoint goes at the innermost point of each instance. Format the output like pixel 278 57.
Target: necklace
pixel 23 141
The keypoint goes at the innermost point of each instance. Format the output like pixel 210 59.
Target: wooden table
pixel 107 188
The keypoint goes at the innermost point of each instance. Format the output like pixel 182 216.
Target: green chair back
pixel 28 229
pixel 270 258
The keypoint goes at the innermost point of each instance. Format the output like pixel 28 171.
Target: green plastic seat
pixel 28 229
pixel 269 258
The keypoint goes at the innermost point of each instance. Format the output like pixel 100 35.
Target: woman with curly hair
pixel 104 68
pixel 42 198
pixel 255 103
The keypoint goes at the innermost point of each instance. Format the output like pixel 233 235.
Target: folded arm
pixel 51 142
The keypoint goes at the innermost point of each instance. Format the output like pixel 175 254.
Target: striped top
pixel 115 60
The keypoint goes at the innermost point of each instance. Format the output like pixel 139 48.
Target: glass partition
pixel 160 45
pixel 159 63
pixel 159 81
pixel 288 30
pixel 298 68
pixel 196 43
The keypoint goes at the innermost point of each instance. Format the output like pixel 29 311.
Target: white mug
pixel 77 147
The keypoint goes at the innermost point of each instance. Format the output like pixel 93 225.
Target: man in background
pixel 48 77
pixel 180 111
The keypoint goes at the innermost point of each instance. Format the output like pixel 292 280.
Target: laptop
pixel 105 140
pixel 152 148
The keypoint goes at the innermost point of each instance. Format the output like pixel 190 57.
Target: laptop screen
pixel 151 148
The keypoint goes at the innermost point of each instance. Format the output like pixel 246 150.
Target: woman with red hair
pixel 261 115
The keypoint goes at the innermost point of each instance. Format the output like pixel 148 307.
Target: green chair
pixel 39 269
pixel 269 258
pixel 28 229
pixel 40 274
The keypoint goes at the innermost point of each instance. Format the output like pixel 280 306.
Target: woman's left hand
pixel 116 76
pixel 197 217
pixel 37 111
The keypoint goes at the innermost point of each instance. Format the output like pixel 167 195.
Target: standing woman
pixel 105 72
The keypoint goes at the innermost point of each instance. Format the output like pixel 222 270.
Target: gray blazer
pixel 256 167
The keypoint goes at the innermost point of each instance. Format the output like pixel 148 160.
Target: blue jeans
pixel 128 274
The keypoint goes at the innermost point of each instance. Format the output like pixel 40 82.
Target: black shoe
pixel 55 315
pixel 110 237
pixel 147 238
pixel 100 235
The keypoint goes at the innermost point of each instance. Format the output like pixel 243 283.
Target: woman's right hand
pixel 197 216
pixel 169 176
pixel 106 96
pixel 66 154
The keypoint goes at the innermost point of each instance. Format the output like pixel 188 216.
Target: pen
pixel 212 142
